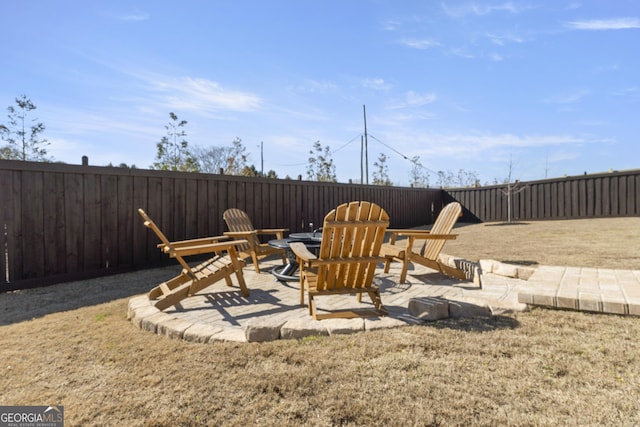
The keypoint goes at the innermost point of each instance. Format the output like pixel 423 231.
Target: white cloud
pixel 421 44
pixel 629 91
pixel 567 98
pixel 199 95
pixel 314 86
pixel 413 99
pixel 482 9
pixel 135 17
pixel 376 83
pixel 502 39
pixel 463 53
pixel 390 25
pixel 605 24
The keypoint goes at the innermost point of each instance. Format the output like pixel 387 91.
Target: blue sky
pixel 552 87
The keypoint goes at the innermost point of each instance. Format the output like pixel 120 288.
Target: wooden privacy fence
pixel 63 222
pixel 614 194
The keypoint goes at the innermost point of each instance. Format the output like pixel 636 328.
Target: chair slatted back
pixel 238 220
pixel 165 246
pixel 443 225
pixel 352 235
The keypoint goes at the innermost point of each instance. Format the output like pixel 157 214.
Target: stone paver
pixel 273 311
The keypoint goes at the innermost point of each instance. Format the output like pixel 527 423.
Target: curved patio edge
pixel 146 317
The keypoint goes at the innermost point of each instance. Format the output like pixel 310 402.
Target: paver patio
pixel 273 311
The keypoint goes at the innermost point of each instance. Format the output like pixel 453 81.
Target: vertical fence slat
pixel 7 225
pixel 91 235
pixel 127 216
pixel 33 225
pixel 109 219
pixel 54 224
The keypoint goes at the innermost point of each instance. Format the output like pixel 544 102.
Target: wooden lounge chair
pixel 240 227
pixel 428 255
pixel 352 235
pixel 193 279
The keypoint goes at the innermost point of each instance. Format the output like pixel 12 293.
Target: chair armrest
pixel 202 248
pixel 236 234
pixel 302 252
pixel 436 236
pixel 278 232
pixel 195 242
pixel 422 234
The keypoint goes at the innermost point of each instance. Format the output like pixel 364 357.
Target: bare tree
pixel 212 159
pixel 511 189
pixel 466 178
pixel 231 160
pixel 173 150
pixel 445 179
pixel 23 135
pixel 381 174
pixel 418 175
pixel 321 167
pixel 237 159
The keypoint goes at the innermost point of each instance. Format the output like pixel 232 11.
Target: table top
pixel 316 236
pixel 311 240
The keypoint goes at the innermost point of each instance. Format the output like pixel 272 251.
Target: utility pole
pixel 262 158
pixel 366 143
pixel 361 159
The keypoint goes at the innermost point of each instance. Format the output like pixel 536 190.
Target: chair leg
pixel 405 267
pixel 312 306
pixel 387 264
pixel 254 259
pixel 374 294
pixel 302 288
pixel 241 282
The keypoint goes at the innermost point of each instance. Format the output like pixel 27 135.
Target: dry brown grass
pixel 604 243
pixel 72 345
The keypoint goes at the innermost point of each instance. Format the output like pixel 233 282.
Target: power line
pixel 352 139
pixel 331 152
pixel 403 156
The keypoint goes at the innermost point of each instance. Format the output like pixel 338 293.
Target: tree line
pixel 23 137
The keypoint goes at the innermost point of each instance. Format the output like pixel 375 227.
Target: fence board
pixel 109 221
pixel 143 243
pixel 74 220
pixel 127 216
pixel 32 220
pixel 6 219
pixel 615 197
pixel 54 237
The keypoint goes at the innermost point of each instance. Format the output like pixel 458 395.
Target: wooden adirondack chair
pixel 193 279
pixel 240 227
pixel 435 239
pixel 352 235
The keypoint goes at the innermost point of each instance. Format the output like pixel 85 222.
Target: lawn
pixel 72 345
